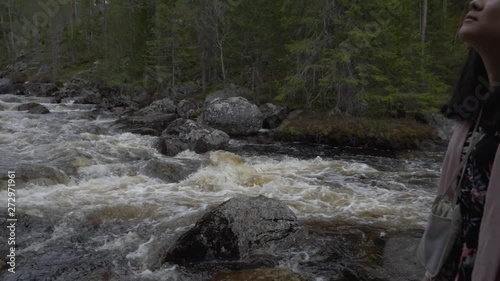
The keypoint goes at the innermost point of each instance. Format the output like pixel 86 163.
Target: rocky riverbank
pixel 186 120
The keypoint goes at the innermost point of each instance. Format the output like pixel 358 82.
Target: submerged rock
pixel 185 134
pixel 235 116
pixel 170 171
pixel 236 230
pixel 40 175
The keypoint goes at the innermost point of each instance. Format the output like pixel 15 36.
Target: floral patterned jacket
pixel 487 263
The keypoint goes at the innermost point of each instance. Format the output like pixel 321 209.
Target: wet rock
pixel 235 116
pixel 274 274
pixel 273 115
pixel 236 230
pixel 69 257
pixel 170 171
pixel 38 109
pixel 230 92
pixel 400 259
pixel 40 175
pixel 165 106
pixel 186 109
pixel 88 97
pixel 28 106
pixel 152 124
pixel 185 134
pixel 5 87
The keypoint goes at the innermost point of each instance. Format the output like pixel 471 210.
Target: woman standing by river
pixel 476 253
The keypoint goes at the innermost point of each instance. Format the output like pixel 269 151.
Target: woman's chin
pixel 466 33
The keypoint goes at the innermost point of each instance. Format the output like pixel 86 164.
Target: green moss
pixel 365 132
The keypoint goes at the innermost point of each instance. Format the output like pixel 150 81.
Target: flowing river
pixel 107 215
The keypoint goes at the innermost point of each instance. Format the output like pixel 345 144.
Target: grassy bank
pixel 382 133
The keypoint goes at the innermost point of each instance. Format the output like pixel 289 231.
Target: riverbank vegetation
pixel 376 59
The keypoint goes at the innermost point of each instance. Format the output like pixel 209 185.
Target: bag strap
pixel 462 164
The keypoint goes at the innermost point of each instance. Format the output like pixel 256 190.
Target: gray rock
pixel 185 134
pixel 38 109
pixel 237 230
pixel 152 124
pixel 40 89
pixel 400 259
pixel 27 106
pixel 235 116
pixel 165 106
pixel 88 97
pixel 444 126
pixel 170 171
pixel 5 86
pixel 186 109
pixel 40 175
pixel 230 92
pixel 273 115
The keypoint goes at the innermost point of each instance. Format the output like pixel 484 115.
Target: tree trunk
pixel 14 47
pixel 424 24
pixel 5 36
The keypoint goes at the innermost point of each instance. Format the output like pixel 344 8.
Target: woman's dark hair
pixel 472 91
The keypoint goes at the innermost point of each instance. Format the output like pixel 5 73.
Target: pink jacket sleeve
pixel 487 263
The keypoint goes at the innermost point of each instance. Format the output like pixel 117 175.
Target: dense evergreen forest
pixel 335 56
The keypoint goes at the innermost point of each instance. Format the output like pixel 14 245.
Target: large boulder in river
pixel 235 116
pixel 273 115
pixel 236 230
pixel 230 91
pixel 185 134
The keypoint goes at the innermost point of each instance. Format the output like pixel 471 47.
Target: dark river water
pixel 106 215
